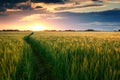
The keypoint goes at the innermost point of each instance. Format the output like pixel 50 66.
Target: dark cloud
pixel 45 1
pixel 49 1
pixel 2 9
pixel 18 1
pixel 11 1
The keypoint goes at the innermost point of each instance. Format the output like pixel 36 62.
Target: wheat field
pixel 60 56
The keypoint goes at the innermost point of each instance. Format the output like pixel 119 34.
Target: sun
pixel 37 28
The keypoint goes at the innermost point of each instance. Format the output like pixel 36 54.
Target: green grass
pixel 69 55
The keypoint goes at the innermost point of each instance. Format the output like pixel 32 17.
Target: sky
pixel 63 15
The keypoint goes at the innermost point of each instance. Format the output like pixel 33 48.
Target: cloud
pixel 115 1
pixel 85 0
pixel 100 25
pixel 30 17
pixel 45 16
pixel 4 14
pixel 70 5
pixel 55 17
pixel 73 4
pixel 73 7
pixel 49 1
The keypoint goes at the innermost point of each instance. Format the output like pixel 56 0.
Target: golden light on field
pixel 37 27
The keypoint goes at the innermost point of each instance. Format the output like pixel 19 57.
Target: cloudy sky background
pixel 71 14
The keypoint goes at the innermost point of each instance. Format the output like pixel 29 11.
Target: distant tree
pixel 10 30
pixel 90 30
pixel 70 30
pixel 119 30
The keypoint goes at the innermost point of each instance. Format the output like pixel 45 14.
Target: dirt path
pixel 41 70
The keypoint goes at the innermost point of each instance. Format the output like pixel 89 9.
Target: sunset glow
pixel 37 27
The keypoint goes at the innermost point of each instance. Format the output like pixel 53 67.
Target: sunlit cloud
pixel 80 5
pixel 83 9
pixel 55 17
pixel 91 7
pixel 31 17
pixel 73 7
pixel 38 17
pixel 88 6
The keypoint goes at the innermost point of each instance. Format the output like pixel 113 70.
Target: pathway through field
pixel 41 70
